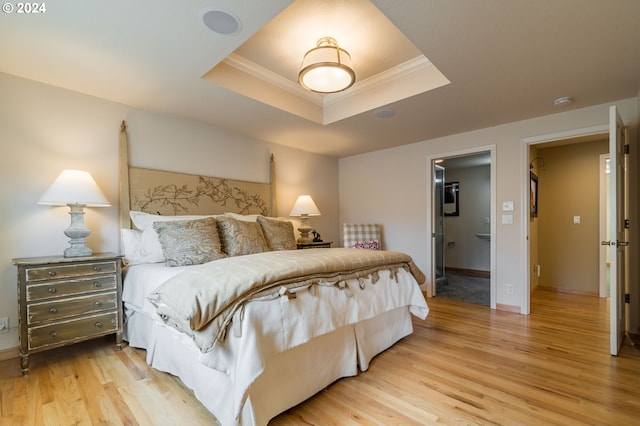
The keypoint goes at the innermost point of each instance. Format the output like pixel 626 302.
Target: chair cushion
pixel 358 235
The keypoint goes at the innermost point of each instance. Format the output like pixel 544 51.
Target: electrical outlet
pixel 509 288
pixel 4 325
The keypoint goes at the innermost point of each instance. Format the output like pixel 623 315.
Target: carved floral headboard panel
pixel 170 193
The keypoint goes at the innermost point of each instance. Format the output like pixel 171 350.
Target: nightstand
pixel 323 244
pixel 65 300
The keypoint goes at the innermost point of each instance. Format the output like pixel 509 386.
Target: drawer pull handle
pixel 99 324
pixel 97 284
pixel 52 290
pixel 97 268
pixel 98 303
pixel 52 273
pixel 53 310
pixel 53 334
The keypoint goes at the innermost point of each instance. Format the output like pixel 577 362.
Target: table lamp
pixel 303 208
pixel 76 189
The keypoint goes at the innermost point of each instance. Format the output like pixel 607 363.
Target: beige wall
pixel 568 187
pixel 397 194
pixel 44 129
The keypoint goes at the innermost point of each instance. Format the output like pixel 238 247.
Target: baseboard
pixel 469 272
pixel 568 291
pixel 507 308
pixel 9 353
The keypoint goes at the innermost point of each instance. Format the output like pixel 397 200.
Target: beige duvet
pixel 202 300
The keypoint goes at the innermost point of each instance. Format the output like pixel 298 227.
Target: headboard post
pixel 272 178
pixel 123 213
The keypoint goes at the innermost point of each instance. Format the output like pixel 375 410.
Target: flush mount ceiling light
pixel 326 68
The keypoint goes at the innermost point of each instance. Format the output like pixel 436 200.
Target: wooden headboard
pixel 171 193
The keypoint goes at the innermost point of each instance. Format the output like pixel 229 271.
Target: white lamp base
pixel 304 230
pixel 77 232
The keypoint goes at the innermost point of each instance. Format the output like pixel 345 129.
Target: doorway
pixel 567 174
pixel 462 195
pixel 618 205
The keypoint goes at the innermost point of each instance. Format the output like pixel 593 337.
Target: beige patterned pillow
pixel 239 237
pixel 279 233
pixel 189 242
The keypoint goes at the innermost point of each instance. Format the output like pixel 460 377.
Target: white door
pixel 617 233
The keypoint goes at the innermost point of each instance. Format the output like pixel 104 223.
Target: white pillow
pixel 142 220
pixel 243 217
pixel 150 248
pixel 131 244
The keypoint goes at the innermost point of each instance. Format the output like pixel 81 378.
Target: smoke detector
pixel 565 100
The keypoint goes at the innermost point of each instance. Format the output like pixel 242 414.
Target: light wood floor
pixel 464 365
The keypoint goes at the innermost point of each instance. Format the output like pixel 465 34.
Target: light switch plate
pixel 507 206
pixel 507 219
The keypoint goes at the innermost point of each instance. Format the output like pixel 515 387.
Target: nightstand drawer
pixel 58 309
pixel 75 330
pixel 51 272
pixel 55 289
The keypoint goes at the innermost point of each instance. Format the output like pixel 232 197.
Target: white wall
pixel 394 194
pixel 44 129
pixel 474 197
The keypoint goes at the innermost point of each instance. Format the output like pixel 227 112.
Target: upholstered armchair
pixel 362 236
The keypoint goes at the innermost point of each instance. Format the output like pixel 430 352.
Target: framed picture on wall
pixel 533 194
pixel 451 202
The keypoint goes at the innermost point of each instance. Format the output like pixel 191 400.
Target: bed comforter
pixel 204 300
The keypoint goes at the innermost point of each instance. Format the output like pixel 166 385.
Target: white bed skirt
pixel 288 377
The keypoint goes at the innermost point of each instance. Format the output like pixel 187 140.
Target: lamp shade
pixel 304 206
pixel 74 187
pixel 326 68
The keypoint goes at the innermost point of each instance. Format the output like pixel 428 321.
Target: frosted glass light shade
pixel 326 68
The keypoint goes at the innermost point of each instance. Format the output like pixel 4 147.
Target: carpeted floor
pixel 465 288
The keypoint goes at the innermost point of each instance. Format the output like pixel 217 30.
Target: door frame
pixel 491 149
pixel 603 226
pixel 525 160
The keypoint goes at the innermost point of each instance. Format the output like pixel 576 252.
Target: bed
pixel 217 294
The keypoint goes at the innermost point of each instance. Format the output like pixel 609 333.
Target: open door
pixel 617 247
pixel 437 244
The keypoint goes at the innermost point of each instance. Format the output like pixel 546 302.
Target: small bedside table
pixel 65 300
pixel 323 244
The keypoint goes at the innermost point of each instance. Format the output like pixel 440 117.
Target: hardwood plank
pixel 464 364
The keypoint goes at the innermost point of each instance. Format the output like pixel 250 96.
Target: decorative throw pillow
pixel 278 233
pixel 367 245
pixel 150 248
pixel 189 242
pixel 239 237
